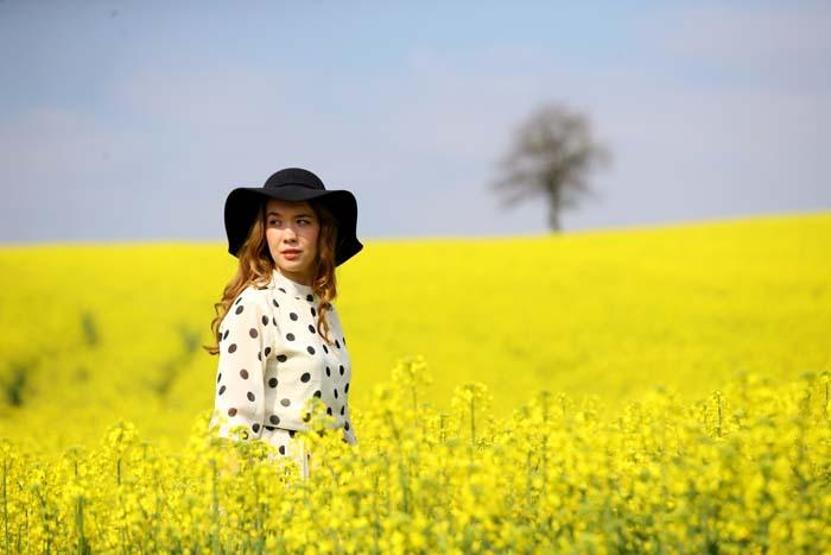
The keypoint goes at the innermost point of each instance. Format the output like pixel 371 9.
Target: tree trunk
pixel 554 216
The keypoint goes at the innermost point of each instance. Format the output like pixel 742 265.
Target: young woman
pixel 279 337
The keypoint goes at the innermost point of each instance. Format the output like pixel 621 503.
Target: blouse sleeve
pixel 348 430
pixel 240 388
pixel 349 434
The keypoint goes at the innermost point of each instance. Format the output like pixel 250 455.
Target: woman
pixel 279 338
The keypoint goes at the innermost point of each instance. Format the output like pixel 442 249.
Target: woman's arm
pixel 240 388
pixel 348 429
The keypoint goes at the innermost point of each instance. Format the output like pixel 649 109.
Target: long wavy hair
pixel 256 266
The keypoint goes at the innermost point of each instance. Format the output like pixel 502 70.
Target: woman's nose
pixel 289 234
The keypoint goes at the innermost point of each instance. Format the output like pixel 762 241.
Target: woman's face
pixel 291 232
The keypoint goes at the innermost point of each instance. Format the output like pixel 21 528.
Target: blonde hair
pixel 256 266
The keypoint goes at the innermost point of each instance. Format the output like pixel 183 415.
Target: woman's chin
pixel 292 265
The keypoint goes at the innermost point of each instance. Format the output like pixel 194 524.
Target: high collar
pixel 291 287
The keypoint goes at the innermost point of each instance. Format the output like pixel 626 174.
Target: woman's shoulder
pixel 333 314
pixel 253 299
pixel 253 294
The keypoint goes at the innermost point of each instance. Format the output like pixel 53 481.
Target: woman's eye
pixel 277 222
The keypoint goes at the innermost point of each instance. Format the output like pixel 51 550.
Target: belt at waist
pixel 272 428
pixel 292 432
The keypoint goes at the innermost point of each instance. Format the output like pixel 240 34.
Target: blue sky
pixel 132 121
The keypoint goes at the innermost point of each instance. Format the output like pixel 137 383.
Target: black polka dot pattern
pixel 240 382
pixel 274 356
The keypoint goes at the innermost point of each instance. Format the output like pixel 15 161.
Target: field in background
pixel 96 334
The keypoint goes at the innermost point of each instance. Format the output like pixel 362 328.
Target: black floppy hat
pixel 296 185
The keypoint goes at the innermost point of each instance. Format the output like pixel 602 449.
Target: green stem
pixel 5 503
pixel 472 420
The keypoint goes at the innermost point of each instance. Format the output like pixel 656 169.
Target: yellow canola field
pixel 744 470
pixel 655 390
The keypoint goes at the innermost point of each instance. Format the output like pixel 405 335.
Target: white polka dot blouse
pixel 272 359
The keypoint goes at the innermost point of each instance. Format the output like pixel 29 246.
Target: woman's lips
pixel 291 255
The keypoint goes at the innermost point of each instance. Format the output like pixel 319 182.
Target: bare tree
pixel 552 155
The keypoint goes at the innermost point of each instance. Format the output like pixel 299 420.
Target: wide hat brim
pixel 243 204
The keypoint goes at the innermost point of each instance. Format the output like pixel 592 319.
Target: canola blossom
pixel 659 390
pixel 744 470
